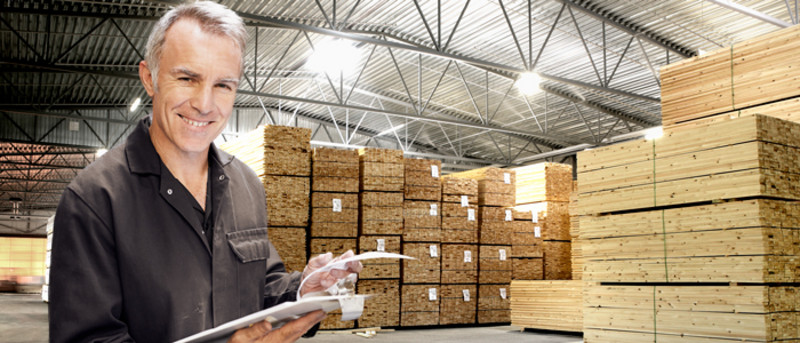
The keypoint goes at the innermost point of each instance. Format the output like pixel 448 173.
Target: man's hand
pixel 262 332
pixel 323 280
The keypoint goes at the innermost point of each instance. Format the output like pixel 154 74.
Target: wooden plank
pixel 557 260
pixel 381 213
pixel 380 155
pixel 321 154
pixel 496 186
pixel 495 225
pixel 290 242
pixel 458 226
pixel 287 200
pixel 459 263
pixel 454 189
pixel 418 307
pixel 328 220
pixel 383 309
pixel 380 268
pixel 381 176
pixel 548 305
pixel 552 217
pixel 527 268
pixel 458 304
pixel 422 221
pixel 427 266
pixel 494 266
pixel 766 68
pixel 337 246
pixel 788 109
pixel 494 304
pixel 543 182
pixel 423 180
pixel 525 241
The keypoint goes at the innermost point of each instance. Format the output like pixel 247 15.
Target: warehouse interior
pixel 468 83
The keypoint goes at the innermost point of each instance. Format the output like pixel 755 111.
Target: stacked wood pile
pixel 422 179
pixel 420 305
pixel 458 304
pixel 526 248
pixel 549 305
pixel 281 157
pixel 714 211
pixel 543 182
pixel 459 210
pixel 380 229
pixel 494 304
pixel 337 246
pixel 334 170
pixel 496 186
pixel 758 76
pixel 459 279
pixel 574 233
pixel 334 214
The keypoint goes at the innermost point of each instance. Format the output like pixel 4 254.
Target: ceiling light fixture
pixel 101 152
pixel 654 133
pixel 136 104
pixel 334 57
pixel 528 83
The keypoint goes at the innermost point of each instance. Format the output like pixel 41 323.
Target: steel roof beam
pixel 751 12
pixel 612 112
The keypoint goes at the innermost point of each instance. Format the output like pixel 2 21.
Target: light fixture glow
pixel 334 57
pixel 654 133
pixel 101 152
pixel 388 131
pixel 528 83
pixel 136 104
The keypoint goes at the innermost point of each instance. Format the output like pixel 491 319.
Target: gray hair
pixel 213 18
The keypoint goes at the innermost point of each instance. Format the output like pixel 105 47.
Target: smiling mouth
pixel 194 123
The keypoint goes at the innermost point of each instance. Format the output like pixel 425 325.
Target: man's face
pixel 197 80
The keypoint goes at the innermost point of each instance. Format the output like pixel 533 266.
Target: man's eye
pixel 224 86
pixel 184 79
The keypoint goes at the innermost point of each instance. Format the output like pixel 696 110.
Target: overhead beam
pixel 643 122
pixel 751 12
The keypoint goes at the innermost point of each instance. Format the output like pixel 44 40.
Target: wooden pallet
pixel 419 304
pixel 290 242
pixel 494 303
pixel 458 304
pixel 553 218
pixel 454 189
pixel 458 226
pixel 496 187
pixel 381 213
pixel 495 225
pixel 755 157
pixel 543 182
pixel 548 305
pixel 287 199
pixel 380 268
pixel 334 214
pixel 737 241
pixel 752 313
pixel 383 309
pixel 527 268
pixel 459 263
pixel 422 221
pixel 428 264
pixel 423 179
pixel 494 266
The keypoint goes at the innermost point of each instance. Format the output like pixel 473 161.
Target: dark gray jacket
pixel 127 265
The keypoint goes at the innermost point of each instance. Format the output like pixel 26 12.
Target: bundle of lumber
pixel 419 305
pixel 422 179
pixel 459 263
pixel 788 109
pixel 526 236
pixel 557 260
pixel 527 268
pixel 543 231
pixel 737 241
pixel 574 233
pixel 422 221
pixel 334 170
pixel 458 304
pixel 383 309
pixel 552 216
pixel 290 242
pixel 334 214
pixel 460 190
pixel 274 150
pixel 381 213
pixel 494 266
pixel 751 156
pixel 287 200
pixel 548 305
pixel 666 313
pixel 381 170
pixel 747 74
pixel 427 266
pixel 543 182
pixel 337 246
pixel 496 187
pixel 495 225
pixel 379 268
pixel 494 305
pixel 459 223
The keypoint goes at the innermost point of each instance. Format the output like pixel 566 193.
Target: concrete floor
pixel 23 319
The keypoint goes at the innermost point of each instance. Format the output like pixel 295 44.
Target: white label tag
pixel 466 294
pixel 434 209
pixel 535 216
pixel 503 293
pixel 435 171
pixel 381 244
pixel 502 254
pixel 537 232
pixel 432 294
pixel 467 256
pixel 509 217
pixel 337 205
pixel 507 178
pixel 471 214
pixel 434 251
pixel 464 201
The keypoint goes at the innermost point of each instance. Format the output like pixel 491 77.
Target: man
pixel 166 235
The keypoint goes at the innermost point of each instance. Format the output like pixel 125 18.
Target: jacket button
pixel 169 191
pixel 222 177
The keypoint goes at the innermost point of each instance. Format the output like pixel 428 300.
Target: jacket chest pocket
pixel 252 250
pixel 250 245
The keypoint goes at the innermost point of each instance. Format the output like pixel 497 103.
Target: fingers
pixel 252 333
pixel 295 329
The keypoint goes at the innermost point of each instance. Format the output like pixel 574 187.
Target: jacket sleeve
pixel 85 293
pixel 280 286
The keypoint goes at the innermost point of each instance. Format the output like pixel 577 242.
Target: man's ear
pixel 146 76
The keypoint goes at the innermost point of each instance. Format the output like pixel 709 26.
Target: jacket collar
pixel 142 155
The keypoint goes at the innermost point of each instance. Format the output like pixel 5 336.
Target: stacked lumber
pixel 381 213
pixel 459 264
pixel 337 246
pixel 381 170
pixel 419 305
pixel 496 187
pixel 495 225
pixel 755 157
pixel 527 268
pixel 426 269
pixel 334 214
pixel 553 217
pixel 383 309
pixel 557 260
pixel 458 304
pixel 574 233
pixel 281 157
pixel 548 305
pixel 788 109
pixel 422 221
pixel 526 247
pixel 494 305
pixel 713 313
pixel 743 76
pixel 494 266
pixel 422 180
pixel 380 268
pixel 334 170
pixel 554 241
pixel 460 190
pixel 459 223
pixel 543 182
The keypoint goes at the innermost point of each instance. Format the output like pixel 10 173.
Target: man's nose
pixel 203 99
